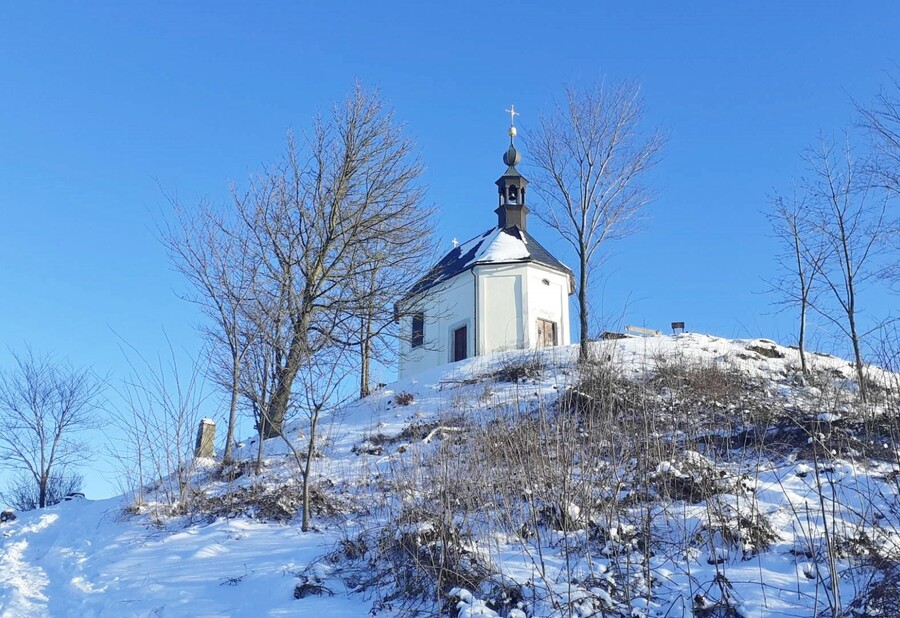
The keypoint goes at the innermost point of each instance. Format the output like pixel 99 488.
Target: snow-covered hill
pixel 682 475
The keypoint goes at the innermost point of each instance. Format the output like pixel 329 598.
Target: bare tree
pixel 882 122
pixel 214 254
pixel 45 406
pixel 320 382
pixel 801 260
pixel 591 156
pixel 267 325
pixel 389 265
pixel 319 379
pixel 312 218
pixel 313 255
pixel 849 216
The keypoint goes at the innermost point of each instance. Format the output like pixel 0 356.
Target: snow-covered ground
pixel 93 558
pixel 84 558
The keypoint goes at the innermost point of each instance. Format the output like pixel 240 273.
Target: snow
pixel 92 558
pixel 85 559
pixel 502 247
pixel 494 246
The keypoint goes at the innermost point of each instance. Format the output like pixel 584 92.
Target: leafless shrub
pixel 158 420
pixel 712 405
pixel 539 474
pixel 716 599
pixel 703 381
pixel 739 526
pixel 498 593
pixel 24 495
pixel 416 431
pixel 592 490
pixel 517 367
pixel 271 503
pixel 307 587
pixel 404 398
pixel 414 562
pixel 374 445
pixel 880 597
pixel 601 391
pixel 692 478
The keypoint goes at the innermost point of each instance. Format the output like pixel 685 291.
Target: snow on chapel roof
pixel 495 246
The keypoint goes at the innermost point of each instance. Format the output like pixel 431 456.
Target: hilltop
pixel 683 475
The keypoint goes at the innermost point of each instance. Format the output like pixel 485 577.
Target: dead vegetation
pixel 608 488
pixel 261 501
pixel 518 367
pixel 598 477
pixel 404 398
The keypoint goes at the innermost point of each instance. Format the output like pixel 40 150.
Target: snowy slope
pixel 86 559
pixel 91 558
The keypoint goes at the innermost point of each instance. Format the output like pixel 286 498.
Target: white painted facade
pixel 499 304
pixel 499 291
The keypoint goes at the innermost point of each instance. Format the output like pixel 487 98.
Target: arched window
pixel 513 193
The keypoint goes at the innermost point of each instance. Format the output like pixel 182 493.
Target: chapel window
pixel 417 339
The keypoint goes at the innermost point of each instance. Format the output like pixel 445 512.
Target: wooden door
pixel 546 333
pixel 460 341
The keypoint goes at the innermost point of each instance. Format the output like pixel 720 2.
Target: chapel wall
pixel 446 306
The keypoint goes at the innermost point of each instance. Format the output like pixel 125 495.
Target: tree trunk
pixel 365 349
pixel 42 493
pixel 261 440
pixel 801 343
pixel 278 405
pixel 583 310
pixel 261 437
pixel 232 412
pixel 804 292
pixel 307 470
pixel 850 280
pixel 260 409
pixel 857 355
pixel 260 450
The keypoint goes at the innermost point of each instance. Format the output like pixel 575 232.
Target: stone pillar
pixel 206 438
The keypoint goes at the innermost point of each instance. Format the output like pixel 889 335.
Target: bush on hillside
pixel 23 493
pixel 404 398
pixel 519 367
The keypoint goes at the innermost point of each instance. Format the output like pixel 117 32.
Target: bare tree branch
pixel 45 405
pixel 801 261
pixel 849 217
pixel 591 155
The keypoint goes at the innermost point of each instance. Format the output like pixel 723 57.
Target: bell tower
pixel 511 210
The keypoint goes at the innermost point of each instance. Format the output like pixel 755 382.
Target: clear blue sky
pixel 106 106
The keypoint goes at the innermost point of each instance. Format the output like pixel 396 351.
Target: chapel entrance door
pixel 460 341
pixel 546 333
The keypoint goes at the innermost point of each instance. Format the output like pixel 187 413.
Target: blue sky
pixel 106 107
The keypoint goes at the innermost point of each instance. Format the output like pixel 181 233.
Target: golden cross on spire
pixel 512 115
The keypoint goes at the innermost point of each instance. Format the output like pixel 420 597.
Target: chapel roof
pixel 509 245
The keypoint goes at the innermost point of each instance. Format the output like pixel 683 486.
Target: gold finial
pixel 512 120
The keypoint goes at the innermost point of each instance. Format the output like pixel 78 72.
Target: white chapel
pixel 499 291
